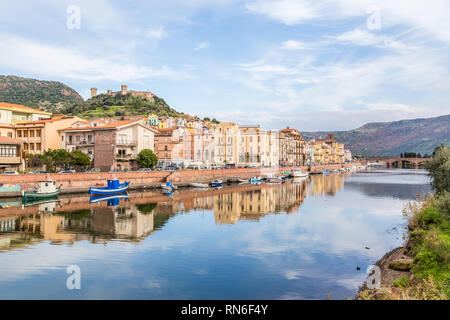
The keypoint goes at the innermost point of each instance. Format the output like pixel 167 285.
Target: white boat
pixel 273 179
pixel 299 174
pixel 243 180
pixel 198 185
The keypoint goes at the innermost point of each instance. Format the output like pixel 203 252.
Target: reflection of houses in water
pixel 325 185
pixel 229 208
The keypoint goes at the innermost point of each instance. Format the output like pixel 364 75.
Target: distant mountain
pixel 392 138
pixel 48 96
pixel 104 105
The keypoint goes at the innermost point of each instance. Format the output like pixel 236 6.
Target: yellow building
pixel 42 135
pixel 15 113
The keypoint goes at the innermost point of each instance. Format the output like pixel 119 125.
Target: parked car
pixel 93 170
pixel 39 172
pixel 67 171
pixel 145 170
pixel 10 172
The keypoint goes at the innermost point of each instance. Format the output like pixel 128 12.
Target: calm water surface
pixel 299 240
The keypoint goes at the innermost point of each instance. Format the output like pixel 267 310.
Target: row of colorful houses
pixel 115 144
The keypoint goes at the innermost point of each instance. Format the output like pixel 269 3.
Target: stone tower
pixel 93 92
pixel 124 89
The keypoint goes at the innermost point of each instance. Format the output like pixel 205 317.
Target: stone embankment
pixel 80 182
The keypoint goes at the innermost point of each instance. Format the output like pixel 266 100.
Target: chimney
pixel 124 89
pixel 93 92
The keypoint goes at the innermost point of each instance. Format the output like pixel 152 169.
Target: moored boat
pixel 198 185
pixel 113 187
pixel 45 189
pixel 255 180
pixel 274 180
pixel 299 174
pixel 168 186
pixel 216 183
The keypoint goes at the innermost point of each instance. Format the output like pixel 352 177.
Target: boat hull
pixel 108 191
pixel 198 185
pixel 38 196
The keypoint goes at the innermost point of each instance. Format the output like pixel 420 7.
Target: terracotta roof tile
pixel 19 106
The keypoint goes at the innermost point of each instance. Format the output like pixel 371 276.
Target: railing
pixel 84 143
pixel 126 142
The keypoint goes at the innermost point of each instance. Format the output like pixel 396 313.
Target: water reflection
pixel 309 236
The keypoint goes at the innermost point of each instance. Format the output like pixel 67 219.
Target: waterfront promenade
pixel 80 182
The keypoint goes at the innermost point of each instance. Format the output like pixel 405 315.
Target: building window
pixel 38 133
pixel 31 133
pixel 25 133
pixel 8 151
pixel 9 134
pixel 19 133
pixel 38 146
pixel 25 146
pixel 31 146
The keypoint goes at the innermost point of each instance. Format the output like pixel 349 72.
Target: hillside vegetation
pixel 48 96
pixel 104 105
pixel 392 138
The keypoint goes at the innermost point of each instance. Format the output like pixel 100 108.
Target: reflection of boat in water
pixel 198 185
pixel 45 189
pixel 216 183
pixel 326 172
pixel 113 187
pixel 243 180
pixel 44 204
pixel 112 200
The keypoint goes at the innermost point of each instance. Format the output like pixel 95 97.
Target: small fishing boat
pixel 168 186
pixel 255 180
pixel 198 185
pixel 216 183
pixel 45 189
pixel 242 180
pixel 274 179
pixel 299 174
pixel 113 187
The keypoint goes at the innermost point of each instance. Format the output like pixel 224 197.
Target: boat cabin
pixel 47 186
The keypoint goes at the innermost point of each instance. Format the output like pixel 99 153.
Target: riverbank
pixel 421 268
pixel 80 182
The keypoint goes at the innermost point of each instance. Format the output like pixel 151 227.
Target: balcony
pixel 126 142
pixel 125 157
pixel 84 143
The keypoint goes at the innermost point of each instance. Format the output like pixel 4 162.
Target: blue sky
pixel 313 65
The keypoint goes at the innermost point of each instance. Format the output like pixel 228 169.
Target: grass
pixel 429 244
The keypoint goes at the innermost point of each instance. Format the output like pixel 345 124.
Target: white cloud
pixel 67 62
pixel 157 33
pixel 293 45
pixel 201 45
pixel 287 11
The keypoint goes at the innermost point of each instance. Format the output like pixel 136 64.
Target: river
pixel 307 239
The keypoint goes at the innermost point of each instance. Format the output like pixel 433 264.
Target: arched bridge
pixel 398 162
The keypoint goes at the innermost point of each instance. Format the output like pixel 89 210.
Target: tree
pixel 79 158
pixel 147 159
pixel 439 169
pixel 206 119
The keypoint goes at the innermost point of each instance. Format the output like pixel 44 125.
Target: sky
pixel 316 65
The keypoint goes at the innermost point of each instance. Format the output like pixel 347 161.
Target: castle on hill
pixel 124 90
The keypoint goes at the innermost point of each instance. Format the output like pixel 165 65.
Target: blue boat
pixel 112 200
pixel 216 183
pixel 114 187
pixel 255 180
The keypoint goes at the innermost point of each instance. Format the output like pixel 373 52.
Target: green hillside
pixel 104 105
pixel 48 96
pixel 392 138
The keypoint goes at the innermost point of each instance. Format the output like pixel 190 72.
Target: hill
pixel 51 96
pixel 392 138
pixel 105 105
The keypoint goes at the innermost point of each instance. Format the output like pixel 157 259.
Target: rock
pixel 401 264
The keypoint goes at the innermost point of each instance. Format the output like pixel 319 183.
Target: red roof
pixel 10 140
pixel 12 105
pixel 111 125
